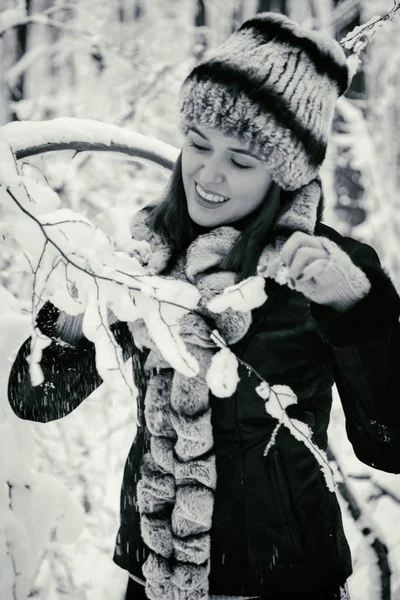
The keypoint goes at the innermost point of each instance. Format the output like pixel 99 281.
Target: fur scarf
pixel 178 476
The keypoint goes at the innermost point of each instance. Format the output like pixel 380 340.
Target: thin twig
pixel 371 26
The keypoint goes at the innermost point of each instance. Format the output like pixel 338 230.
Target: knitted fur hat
pixel 274 85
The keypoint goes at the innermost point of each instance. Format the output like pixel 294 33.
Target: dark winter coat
pixel 276 526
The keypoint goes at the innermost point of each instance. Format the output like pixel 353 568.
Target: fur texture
pixel 178 477
pixel 175 493
pixel 339 279
pixel 274 85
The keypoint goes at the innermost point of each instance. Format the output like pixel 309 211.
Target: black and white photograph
pixel 199 299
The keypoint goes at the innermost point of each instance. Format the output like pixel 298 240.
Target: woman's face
pixel 223 180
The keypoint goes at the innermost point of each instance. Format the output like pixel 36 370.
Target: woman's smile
pixel 208 199
pixel 223 180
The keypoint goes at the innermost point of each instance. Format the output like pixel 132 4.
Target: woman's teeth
pixel 210 197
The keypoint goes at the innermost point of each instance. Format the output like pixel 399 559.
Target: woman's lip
pixel 209 191
pixel 204 203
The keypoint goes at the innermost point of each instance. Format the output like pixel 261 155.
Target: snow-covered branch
pixel 358 39
pixel 68 253
pixel 360 36
pixel 28 138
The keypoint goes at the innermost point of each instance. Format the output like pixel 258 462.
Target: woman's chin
pixel 203 217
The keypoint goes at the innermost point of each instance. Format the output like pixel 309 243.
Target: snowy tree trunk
pixel 17 92
pixel 350 190
pixel 323 15
pixel 200 36
pixel 278 6
pixel 300 11
pixel 237 15
pixel 6 60
pixel 344 12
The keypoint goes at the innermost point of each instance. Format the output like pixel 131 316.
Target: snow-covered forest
pixel 88 134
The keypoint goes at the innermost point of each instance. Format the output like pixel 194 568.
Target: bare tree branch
pixel 380 489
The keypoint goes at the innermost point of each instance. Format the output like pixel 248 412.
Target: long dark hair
pixel 172 221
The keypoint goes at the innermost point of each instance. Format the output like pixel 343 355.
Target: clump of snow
pixel 275 269
pixel 243 296
pixel 278 397
pixel 222 376
pixel 181 296
pixel 49 199
pixel 164 331
pixel 11 17
pixel 264 390
pixel 38 344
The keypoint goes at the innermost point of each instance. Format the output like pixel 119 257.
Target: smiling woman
pixel 231 495
pixel 223 180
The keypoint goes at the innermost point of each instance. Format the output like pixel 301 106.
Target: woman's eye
pixel 239 166
pixel 198 147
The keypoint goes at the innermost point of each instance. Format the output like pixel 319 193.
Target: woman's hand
pixel 302 251
pixel 323 272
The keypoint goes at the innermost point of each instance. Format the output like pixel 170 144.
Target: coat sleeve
pixel 365 342
pixel 70 373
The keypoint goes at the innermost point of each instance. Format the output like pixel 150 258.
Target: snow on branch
pixel 360 36
pixel 222 379
pixel 80 270
pixel 358 39
pixel 10 18
pixel 28 138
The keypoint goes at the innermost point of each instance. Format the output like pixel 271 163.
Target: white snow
pixel 222 376
pixel 244 296
pixel 9 176
pixel 33 506
pixel 85 452
pixel 28 134
pixel 278 398
pixel 11 17
pixel 165 333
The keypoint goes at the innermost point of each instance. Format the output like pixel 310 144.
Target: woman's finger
pixel 314 269
pixel 304 257
pixel 296 241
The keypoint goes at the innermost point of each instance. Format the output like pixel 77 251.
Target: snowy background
pixel 121 62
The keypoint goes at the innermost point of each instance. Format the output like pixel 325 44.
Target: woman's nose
pixel 211 172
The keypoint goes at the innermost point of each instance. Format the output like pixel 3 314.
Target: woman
pixel 206 510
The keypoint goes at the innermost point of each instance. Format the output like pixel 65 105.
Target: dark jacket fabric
pixel 276 526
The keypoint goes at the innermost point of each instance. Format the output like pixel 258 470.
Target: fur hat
pixel 274 85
